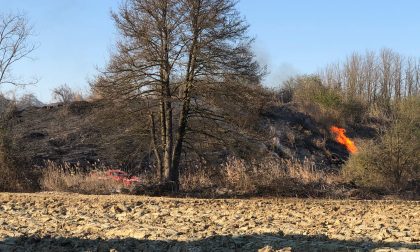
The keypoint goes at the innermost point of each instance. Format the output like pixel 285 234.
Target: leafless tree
pixel 168 51
pixel 386 56
pixel 370 76
pixel 15 33
pixel 353 75
pixel 332 76
pixel 397 78
pixel 63 94
pixel 416 89
pixel 28 100
pixel 410 76
pixel 375 78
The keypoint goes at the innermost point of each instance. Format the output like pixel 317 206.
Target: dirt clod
pixel 71 222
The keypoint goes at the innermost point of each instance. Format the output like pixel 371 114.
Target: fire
pixel 341 138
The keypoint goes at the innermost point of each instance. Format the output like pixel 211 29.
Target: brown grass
pixel 198 180
pixel 9 179
pixel 67 178
pixel 270 176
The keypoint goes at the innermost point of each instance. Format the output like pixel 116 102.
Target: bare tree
pixel 168 51
pixel 64 94
pixel 370 76
pixel 14 46
pixel 416 89
pixel 332 76
pixel 353 75
pixel 410 77
pixel 386 60
pixel 397 78
pixel 29 100
pixel 375 78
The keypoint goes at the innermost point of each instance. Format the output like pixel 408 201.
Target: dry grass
pixel 238 176
pixel 198 179
pixel 269 176
pixel 307 173
pixel 274 175
pixel 67 178
pixel 9 180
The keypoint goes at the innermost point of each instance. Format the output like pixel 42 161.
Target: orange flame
pixel 341 138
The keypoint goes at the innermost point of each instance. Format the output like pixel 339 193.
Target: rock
pixel 121 216
pixel 266 249
pixel 140 235
pixel 117 209
pixel 270 249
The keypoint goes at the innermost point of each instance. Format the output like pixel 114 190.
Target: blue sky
pixel 294 36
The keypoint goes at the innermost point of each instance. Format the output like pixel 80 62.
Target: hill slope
pixel 75 133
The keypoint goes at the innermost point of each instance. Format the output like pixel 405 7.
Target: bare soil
pixel 72 222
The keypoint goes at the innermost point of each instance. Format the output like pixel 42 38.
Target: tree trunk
pixel 168 148
pixel 181 135
pixel 155 147
pixel 183 121
pixel 165 72
pixel 163 130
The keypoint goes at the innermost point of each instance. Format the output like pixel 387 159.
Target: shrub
pixel 326 105
pixel 393 161
pixel 309 90
pixel 269 176
pixel 354 111
pixel 15 175
pixel 10 180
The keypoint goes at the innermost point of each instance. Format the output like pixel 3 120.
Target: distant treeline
pixel 374 77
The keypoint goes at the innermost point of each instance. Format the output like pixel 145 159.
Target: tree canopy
pixel 169 56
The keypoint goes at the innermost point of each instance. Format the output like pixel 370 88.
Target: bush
pixel 393 161
pixel 354 111
pixel 14 176
pixel 238 176
pixel 325 104
pixel 9 178
pixel 309 90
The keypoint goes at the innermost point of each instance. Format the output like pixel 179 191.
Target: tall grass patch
pixel 67 178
